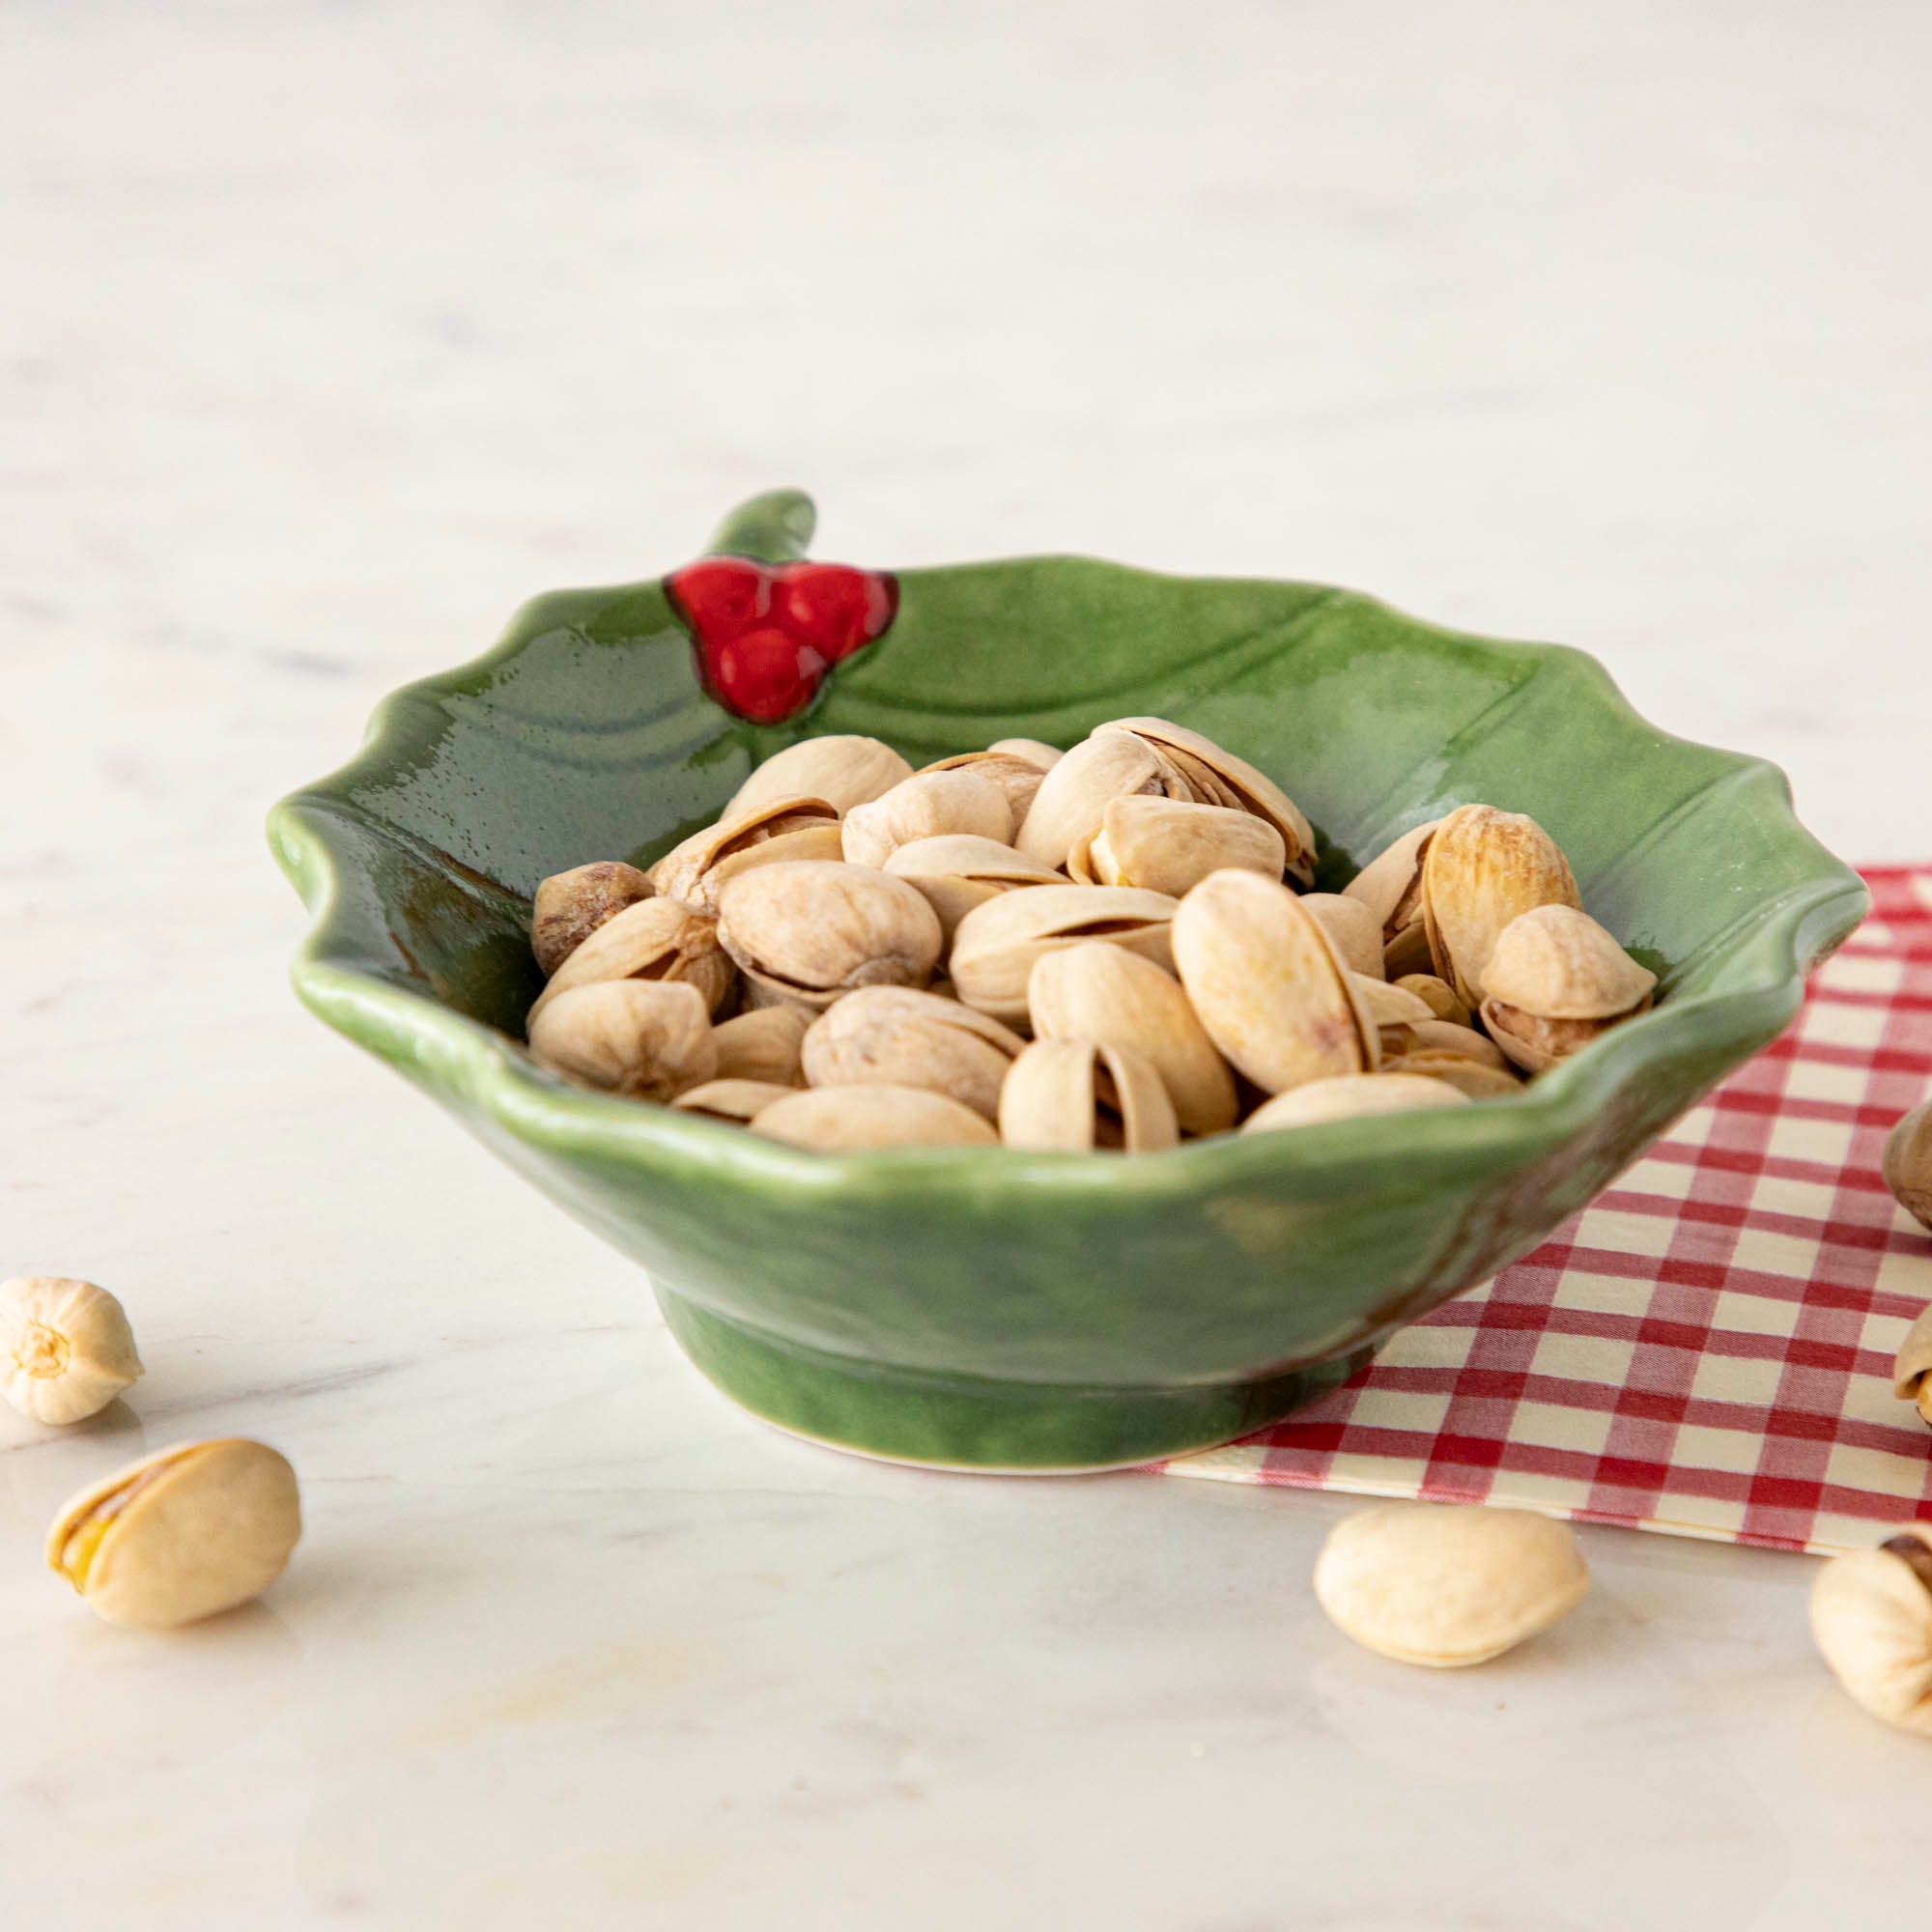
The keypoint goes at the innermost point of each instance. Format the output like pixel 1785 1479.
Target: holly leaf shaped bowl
pixel 992 1309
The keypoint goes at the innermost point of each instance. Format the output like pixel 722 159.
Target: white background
pixel 329 332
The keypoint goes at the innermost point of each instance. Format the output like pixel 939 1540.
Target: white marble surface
pixel 329 332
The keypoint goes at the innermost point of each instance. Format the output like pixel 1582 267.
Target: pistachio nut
pixel 648 1039
pixel 891 1036
pixel 65 1349
pixel 1352 927
pixel 955 872
pixel 656 939
pixel 1908 1163
pixel 1871 1614
pixel 850 1120
pixel 1448 1585
pixel 1034 751
pixel 1484 868
pixel 1016 774
pixel 1265 980
pixel 1392 1011
pixel 762 1045
pixel 180 1535
pixel 1076 1096
pixel 1073 797
pixel 1476 1078
pixel 1105 994
pixel 1439 996
pixel 1216 777
pixel 1390 887
pixel 737 1101
pixel 843 771
pixel 781 829
pixel 1348 1096
pixel 996 946
pixel 1913 1365
pixel 1170 845
pixel 809 931
pixel 928 805
pixel 1434 1035
pixel 1556 980
pixel 570 906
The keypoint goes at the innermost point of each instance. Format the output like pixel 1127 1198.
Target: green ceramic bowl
pixel 996 1310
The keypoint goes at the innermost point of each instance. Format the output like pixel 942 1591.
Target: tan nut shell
pixel 187 1532
pixel 1348 1097
pixel 1265 980
pixel 811 931
pixel 1073 796
pixel 1476 1078
pixel 1439 996
pixel 1354 928
pixel 740 1101
pixel 1445 1586
pixel 1104 994
pixel 956 873
pixel 65 1349
pixel 843 771
pixel 1016 774
pixel 1036 752
pixel 1871 1614
pixel 1390 887
pixel 570 906
pixel 997 944
pixel 1073 1096
pixel 1170 845
pixel 1913 1365
pixel 658 939
pixel 928 805
pixel 842 1120
pixel 1483 869
pixel 781 829
pixel 1387 1006
pixel 1560 964
pixel 762 1045
pixel 1908 1163
pixel 648 1039
pixel 891 1036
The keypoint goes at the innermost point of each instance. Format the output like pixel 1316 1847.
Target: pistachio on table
pixel 1908 1163
pixel 65 1349
pixel 850 1120
pixel 648 1039
pixel 898 1037
pixel 785 828
pixel 1911 1366
pixel 1871 1614
pixel 808 932
pixel 843 771
pixel 1075 1097
pixel 570 906
pixel 957 873
pixel 928 805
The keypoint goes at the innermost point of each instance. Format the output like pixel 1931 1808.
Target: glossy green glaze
pixel 1004 1310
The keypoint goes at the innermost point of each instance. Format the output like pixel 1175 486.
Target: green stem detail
pixel 775 528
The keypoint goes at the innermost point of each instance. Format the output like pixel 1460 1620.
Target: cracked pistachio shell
pixel 1448 1585
pixel 1439 996
pixel 891 1036
pixel 648 1039
pixel 657 939
pixel 787 828
pixel 810 931
pixel 1908 1163
pixel 1263 979
pixel 1108 995
pixel 1913 1365
pixel 1485 868
pixel 957 873
pixel 1559 964
pixel 1390 887
pixel 180 1535
pixel 1075 1097
pixel 1348 1097
pixel 1216 777
pixel 1434 1035
pixel 1072 798
pixel 997 944
pixel 1036 752
pixel 843 771
pixel 850 1120
pixel 65 1349
pixel 762 1045
pixel 1351 928
pixel 1017 775
pixel 1386 1006
pixel 737 1101
pixel 1170 845
pixel 1476 1078
pixel 1871 1614
pixel 928 805
pixel 570 906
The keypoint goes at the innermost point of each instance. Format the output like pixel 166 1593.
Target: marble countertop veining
pixel 333 330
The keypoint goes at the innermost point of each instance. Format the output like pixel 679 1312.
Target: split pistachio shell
pixel 997 944
pixel 788 828
pixel 1446 1586
pixel 1434 1035
pixel 1034 751
pixel 1871 1613
pixel 658 939
pixel 1266 983
pixel 1908 1163
pixel 1439 996
pixel 1352 927
pixel 570 906
pixel 843 771
pixel 808 932
pixel 1475 1078
pixel 738 1101
pixel 1390 887
pixel 648 1039
pixel 850 1120
pixel 1016 774
pixel 65 1349
pixel 1072 798
pixel 762 1045
pixel 180 1535
pixel 1106 994
pixel 1170 845
pixel 1387 1005
pixel 1348 1097
pixel 928 805
pixel 891 1036
pixel 1556 980
pixel 1075 1097
pixel 1912 1366
pixel 1485 868
pixel 957 873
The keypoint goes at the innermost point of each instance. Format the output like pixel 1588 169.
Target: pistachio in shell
pixel 1908 1164
pixel 1016 774
pixel 1393 1012
pixel 1170 845
pixel 1554 981
pixel 1871 1615
pixel 1351 1097
pixel 1475 1078
pixel 1913 1365
pixel 996 946
pixel 786 827
pixel 1439 996
pixel 570 906
pixel 648 1039
pixel 957 873
pixel 895 1037
pixel 1352 929
pixel 928 805
pixel 1076 1096
pixel 1037 752
pixel 656 939
pixel 762 1045
pixel 1484 869
pixel 1390 887
pixel 843 771
pixel 806 932
pixel 738 1102
pixel 1072 798
pixel 857 1118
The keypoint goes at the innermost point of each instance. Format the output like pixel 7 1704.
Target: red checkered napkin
pixel 1706 1349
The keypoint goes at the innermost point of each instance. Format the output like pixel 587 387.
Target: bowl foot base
pixel 970 1423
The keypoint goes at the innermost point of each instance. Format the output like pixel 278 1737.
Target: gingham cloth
pixel 1706 1349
